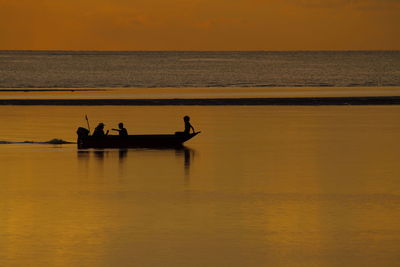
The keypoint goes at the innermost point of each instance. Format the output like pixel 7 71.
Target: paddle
pixel 87 120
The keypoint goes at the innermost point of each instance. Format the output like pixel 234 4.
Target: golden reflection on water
pixel 279 186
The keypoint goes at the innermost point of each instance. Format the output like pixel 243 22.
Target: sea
pixel 83 69
pixel 261 185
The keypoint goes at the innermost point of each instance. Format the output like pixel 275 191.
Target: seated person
pixel 122 131
pixel 99 130
pixel 188 126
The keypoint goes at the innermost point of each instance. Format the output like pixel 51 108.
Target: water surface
pixel 179 69
pixel 278 186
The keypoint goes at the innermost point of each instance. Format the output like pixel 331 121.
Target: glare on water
pixel 276 186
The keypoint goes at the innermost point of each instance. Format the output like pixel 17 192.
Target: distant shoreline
pixel 301 101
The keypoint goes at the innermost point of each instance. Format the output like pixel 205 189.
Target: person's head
pixel 120 125
pixel 101 125
pixel 186 118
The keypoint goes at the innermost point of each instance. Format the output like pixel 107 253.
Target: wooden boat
pixel 131 141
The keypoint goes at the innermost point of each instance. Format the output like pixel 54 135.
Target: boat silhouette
pixel 85 140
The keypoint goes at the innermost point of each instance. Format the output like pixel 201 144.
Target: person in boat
pixel 99 130
pixel 122 131
pixel 188 126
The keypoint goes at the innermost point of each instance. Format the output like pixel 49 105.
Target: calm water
pixel 276 186
pixel 45 69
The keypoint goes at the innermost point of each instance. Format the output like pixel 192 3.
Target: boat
pixel 85 140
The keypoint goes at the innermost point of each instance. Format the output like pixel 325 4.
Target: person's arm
pixel 192 128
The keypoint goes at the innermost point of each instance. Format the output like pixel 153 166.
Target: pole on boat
pixel 87 120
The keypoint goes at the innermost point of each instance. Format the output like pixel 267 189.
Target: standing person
pixel 188 126
pixel 99 130
pixel 122 131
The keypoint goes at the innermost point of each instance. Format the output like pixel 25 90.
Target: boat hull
pixel 135 141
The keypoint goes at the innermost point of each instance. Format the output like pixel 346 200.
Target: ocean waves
pixel 68 69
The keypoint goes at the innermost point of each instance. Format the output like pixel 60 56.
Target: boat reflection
pixel 107 157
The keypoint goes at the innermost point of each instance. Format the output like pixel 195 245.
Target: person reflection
pixel 99 155
pixel 122 154
pixel 188 155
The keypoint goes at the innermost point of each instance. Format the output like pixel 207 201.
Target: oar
pixel 87 120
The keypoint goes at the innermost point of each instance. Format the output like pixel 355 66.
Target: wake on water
pixel 54 141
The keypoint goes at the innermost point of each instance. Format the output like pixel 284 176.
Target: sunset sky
pixel 200 24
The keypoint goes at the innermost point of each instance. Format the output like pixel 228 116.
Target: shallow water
pixel 278 186
pixel 180 69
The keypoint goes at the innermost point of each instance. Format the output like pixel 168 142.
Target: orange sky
pixel 200 24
